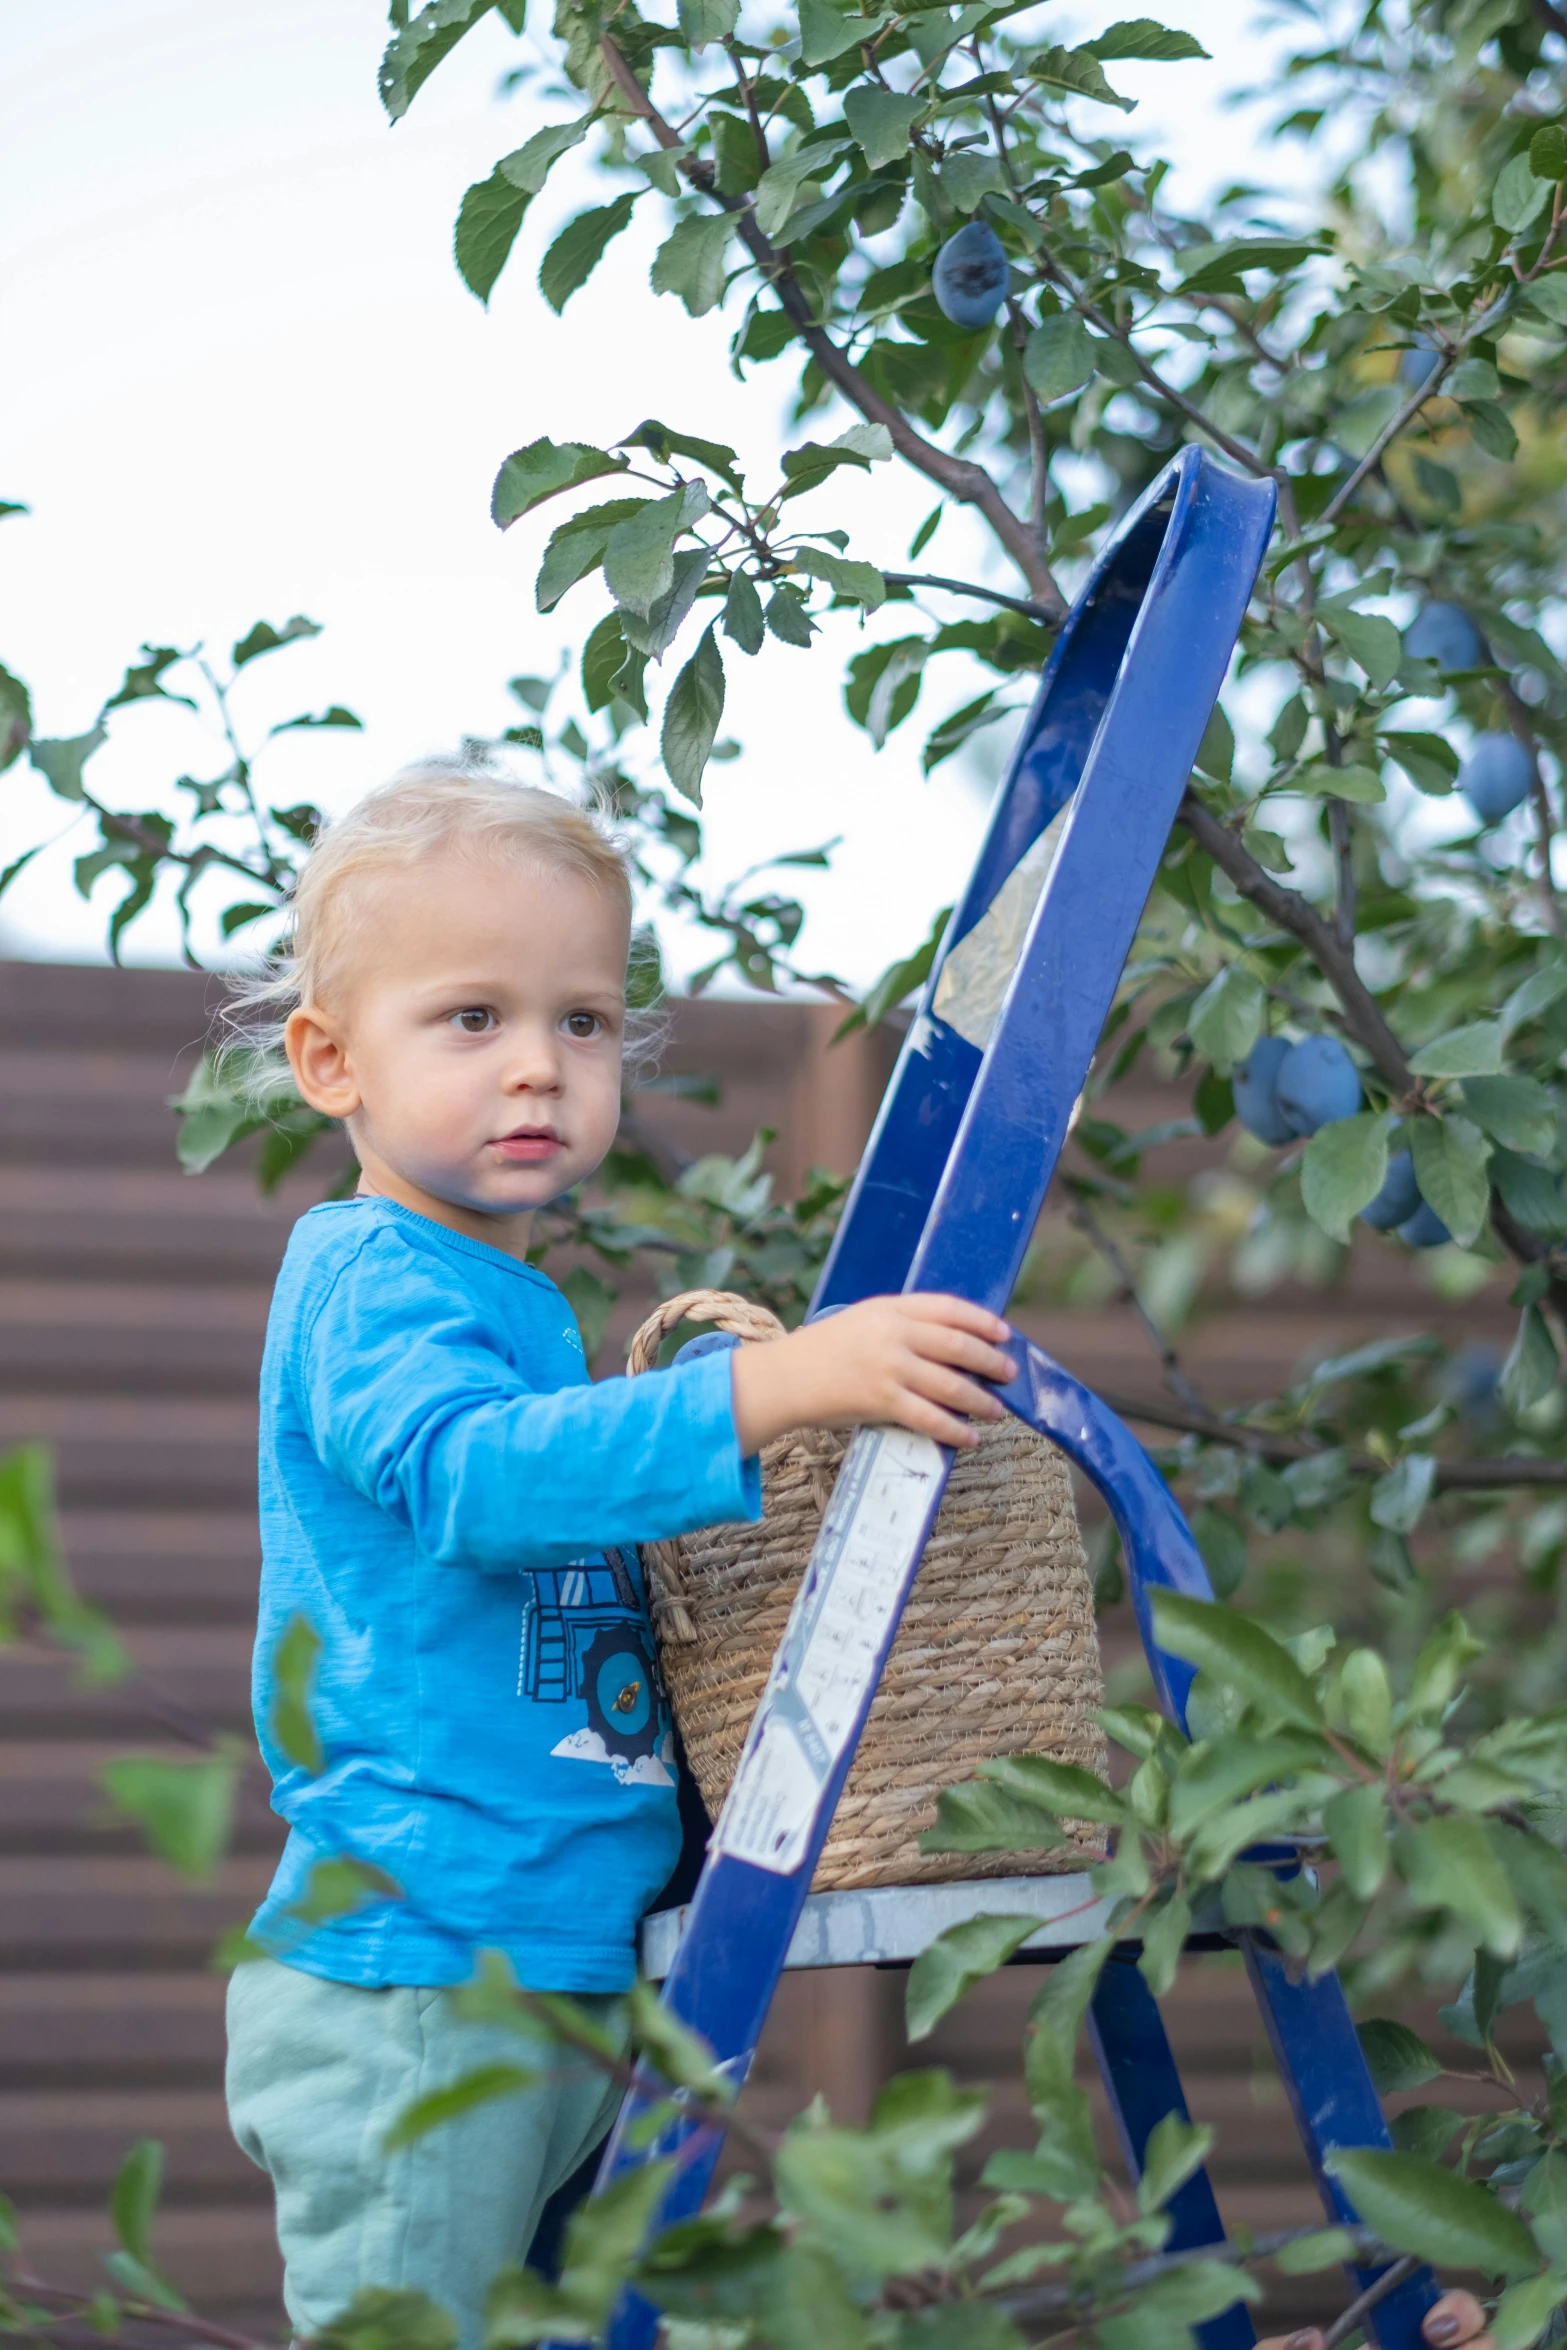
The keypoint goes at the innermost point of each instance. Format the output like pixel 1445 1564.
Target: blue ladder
pixel 947 1198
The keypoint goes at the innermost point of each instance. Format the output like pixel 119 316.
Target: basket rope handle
pixel 743 1319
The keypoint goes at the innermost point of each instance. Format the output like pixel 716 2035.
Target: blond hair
pixel 440 806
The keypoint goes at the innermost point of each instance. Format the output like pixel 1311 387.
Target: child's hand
pixel 900 1359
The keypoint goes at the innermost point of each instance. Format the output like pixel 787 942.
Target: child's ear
pixel 318 1056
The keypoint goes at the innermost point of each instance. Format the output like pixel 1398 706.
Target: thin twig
pixel 1363 2304
pixel 969 587
pixel 1082 1215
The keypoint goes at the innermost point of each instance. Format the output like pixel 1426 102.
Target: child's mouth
pixel 529 1145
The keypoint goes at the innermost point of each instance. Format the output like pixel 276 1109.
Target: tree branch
pixel 963 480
pixel 1082 1215
pixel 1296 914
pixel 968 587
pixel 1452 1476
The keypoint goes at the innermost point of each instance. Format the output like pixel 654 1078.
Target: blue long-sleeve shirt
pixel 453 1506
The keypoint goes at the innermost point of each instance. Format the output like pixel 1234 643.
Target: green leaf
pixel 1076 71
pixel 702 21
pixel 1164 1939
pixel 578 546
pixel 335 715
pixel 1356 1822
pixel 1175 2152
pixel 1450 1863
pixel 1548 152
pixel 1073 1793
pixel 488 219
pixel 1450 1158
pixel 1548 295
pixel 778 190
pixel 691 261
pixel 980 1816
pixel 961 726
pixel 1419 2207
pixel 542 470
pixel 1429 761
pixel 16 718
pixel 133 2198
pixel 1142 36
pixel 337 1888
pixel 1524 2311
pixel 61 762
pixel 1367 1699
pixel 1210 1776
pixel 384 2317
pixel 436 2107
pixel 1307 2256
pixel 264 638
pixel 1398 2058
pixel 825 33
pixel 1344 1167
pixel 1370 640
pixel 580 247
pixel 666 445
pixel 415 51
pixel 806 467
pixel 1058 357
pixel 186 1808
pixel 1448 1649
pixel 691 716
pixel 1516 1111
pixel 902 978
pixel 958 1959
pixel 1056 2021
pixel 1216 751
pixel 293 1677
pixel 787 618
pixel 1362 785
pixel 1226 1020
pixel 881 122
pixel 529 166
pixel 1519 196
pixel 861 582
pixel 1475 1050
pixel 1237 1652
pixel 743 621
pixel 1492 429
pixel 639 554
pixel 1532 1368
pixel 1398 1500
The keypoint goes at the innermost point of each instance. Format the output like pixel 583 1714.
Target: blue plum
pixel 1445 634
pixel 971 274
pixel 1317 1084
pixel 1399 1198
pixel 1417 366
pixel 1425 1228
pixel 1496 776
pixel 1253 1086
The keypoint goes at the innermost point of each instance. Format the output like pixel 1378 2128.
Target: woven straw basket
pixel 996 1653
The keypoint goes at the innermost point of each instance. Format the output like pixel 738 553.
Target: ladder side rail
pixel 1137 2065
pixel 1309 2026
pixel 910 1142
pixel 1020 1109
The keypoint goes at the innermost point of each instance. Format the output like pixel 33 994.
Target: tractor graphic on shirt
pixel 584 1635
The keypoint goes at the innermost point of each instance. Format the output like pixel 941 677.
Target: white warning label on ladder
pixel 825 1671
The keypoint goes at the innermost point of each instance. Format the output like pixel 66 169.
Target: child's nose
pixel 534 1066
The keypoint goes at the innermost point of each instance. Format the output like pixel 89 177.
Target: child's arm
pixel 916 1360
pixel 408 1402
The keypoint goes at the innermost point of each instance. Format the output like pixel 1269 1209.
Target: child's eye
pixel 583 1025
pixel 474 1020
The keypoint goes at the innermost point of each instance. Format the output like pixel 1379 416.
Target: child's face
pixel 474 1052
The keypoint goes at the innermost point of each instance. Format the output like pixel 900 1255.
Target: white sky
pixel 241 378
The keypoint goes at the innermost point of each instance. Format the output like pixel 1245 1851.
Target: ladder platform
pixel 889 1925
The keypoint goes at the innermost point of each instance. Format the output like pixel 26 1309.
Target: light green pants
pixel 317 2074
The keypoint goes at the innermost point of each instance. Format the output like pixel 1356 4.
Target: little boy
pixel 454 1509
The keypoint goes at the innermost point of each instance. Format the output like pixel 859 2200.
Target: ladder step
pixel 889 1925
